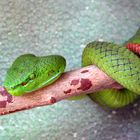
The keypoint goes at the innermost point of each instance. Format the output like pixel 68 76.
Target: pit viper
pixel 29 72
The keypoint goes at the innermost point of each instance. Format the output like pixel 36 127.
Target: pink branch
pixel 77 82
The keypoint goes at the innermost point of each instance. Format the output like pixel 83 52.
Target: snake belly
pixel 120 64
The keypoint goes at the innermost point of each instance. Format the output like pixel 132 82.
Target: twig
pixel 77 82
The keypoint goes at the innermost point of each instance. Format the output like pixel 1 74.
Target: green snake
pixel 29 72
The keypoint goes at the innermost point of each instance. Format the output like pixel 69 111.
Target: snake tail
pixel 134 47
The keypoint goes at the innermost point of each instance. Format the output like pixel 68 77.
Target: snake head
pixel 29 73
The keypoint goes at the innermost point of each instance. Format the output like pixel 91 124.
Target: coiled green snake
pixel 29 72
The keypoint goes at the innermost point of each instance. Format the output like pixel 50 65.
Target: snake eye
pixel 23 83
pixel 31 77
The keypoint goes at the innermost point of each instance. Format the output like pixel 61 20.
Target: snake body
pixel 120 64
pixel 29 72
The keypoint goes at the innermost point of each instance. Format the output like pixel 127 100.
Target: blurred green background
pixel 64 27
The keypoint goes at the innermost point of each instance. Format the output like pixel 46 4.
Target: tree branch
pixel 77 82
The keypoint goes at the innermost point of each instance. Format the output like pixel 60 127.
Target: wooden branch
pixel 77 82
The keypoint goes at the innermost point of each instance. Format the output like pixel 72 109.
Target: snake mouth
pixel 24 83
pixel 30 85
pixel 20 88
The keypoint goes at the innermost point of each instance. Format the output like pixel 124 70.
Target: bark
pixel 76 82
